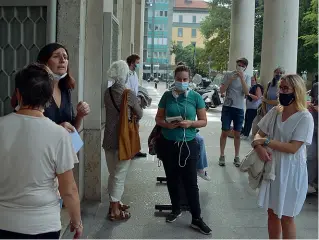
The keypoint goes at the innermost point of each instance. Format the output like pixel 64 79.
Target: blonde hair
pixel 298 84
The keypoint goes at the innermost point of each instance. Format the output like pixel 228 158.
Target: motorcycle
pixel 208 91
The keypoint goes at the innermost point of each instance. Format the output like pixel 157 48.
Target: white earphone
pixel 175 95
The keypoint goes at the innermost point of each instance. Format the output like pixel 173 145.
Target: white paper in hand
pixel 76 141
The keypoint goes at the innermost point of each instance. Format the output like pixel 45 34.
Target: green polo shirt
pixel 176 107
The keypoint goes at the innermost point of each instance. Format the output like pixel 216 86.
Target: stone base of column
pixel 92 154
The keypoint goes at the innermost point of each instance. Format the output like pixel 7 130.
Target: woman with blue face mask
pixel 180 112
pixel 270 95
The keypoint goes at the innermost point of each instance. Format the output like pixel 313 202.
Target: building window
pixel 194 19
pixel 157 13
pixel 180 32
pixel 149 40
pixel 194 31
pixel 180 43
pixel 150 12
pixel 159 27
pixel 149 54
pixel 194 44
pixel 161 13
pixel 180 18
pixel 155 54
pixel 149 27
pixel 165 13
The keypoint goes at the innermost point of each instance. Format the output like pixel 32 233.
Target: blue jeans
pixel 202 161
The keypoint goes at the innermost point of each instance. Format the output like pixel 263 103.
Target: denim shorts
pixel 231 114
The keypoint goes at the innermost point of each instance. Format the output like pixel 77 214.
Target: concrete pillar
pixel 242 33
pixel 280 37
pixel 128 28
pixel 92 84
pixel 139 34
pixel 73 13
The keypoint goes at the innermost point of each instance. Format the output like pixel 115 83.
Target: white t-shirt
pixel 133 82
pixel 32 151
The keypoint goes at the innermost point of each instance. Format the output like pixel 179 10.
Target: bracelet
pixel 76 226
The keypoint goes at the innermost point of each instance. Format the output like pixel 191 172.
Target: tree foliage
pixel 308 36
pixel 193 57
pixel 216 30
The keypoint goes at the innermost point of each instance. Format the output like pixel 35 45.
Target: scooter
pixel 209 92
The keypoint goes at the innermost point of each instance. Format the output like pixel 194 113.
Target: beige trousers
pixel 118 171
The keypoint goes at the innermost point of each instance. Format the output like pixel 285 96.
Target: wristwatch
pixel 266 143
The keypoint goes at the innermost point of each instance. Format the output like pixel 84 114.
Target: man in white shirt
pixel 133 62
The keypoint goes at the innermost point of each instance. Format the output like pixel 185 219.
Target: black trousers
pixel 249 118
pixel 177 176
pixel 14 235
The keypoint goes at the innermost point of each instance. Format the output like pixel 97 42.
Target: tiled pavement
pixel 228 205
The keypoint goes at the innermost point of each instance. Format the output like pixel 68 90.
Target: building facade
pixel 187 16
pixel 157 36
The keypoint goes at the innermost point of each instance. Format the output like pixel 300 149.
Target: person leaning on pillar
pixel 133 62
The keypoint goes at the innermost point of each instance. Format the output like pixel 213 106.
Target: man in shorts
pixel 236 86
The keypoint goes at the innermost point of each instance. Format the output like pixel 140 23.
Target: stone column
pixel 280 37
pixel 128 28
pixel 73 13
pixel 242 33
pixel 139 34
pixel 92 84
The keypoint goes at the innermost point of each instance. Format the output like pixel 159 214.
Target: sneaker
pixel 201 226
pixel 203 175
pixel 311 189
pixel 243 137
pixel 237 161
pixel 221 161
pixel 173 216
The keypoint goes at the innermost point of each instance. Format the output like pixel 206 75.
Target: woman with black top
pixel 60 110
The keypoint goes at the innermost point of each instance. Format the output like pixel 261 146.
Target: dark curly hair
pixel 182 68
pixel 35 85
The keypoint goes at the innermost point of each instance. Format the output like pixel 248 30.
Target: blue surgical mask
pixel 59 77
pixel 181 86
pixel 137 66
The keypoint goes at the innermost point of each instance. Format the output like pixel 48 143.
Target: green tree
pixel 258 33
pixel 308 36
pixel 216 30
pixel 193 57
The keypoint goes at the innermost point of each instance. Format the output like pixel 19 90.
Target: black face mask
pixel 286 99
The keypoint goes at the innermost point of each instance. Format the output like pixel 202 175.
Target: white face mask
pixel 240 69
pixel 59 77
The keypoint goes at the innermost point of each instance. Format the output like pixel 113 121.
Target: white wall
pixel 188 17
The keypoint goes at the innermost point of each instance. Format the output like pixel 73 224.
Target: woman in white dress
pixel 285 196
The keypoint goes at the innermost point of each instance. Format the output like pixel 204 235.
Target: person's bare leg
pixel 222 142
pixel 288 227
pixel 274 225
pixel 237 143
